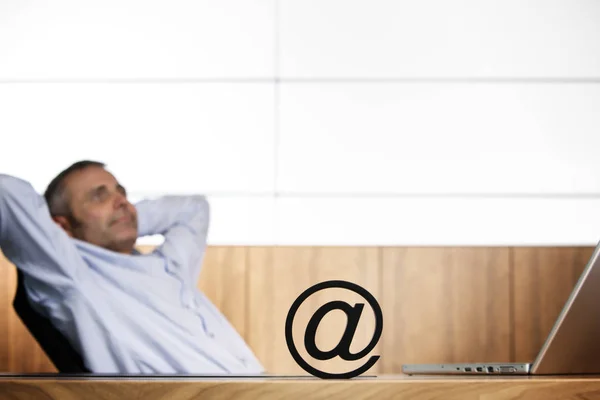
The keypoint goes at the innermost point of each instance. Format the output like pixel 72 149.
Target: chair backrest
pixel 52 341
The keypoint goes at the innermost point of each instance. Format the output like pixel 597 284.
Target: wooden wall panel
pixel 223 281
pixel 261 306
pixel 357 265
pixel 543 280
pixel 19 351
pixel 439 304
pixel 445 305
pixel 7 291
pixel 284 278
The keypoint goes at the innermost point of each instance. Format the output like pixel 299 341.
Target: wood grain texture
pixel 260 305
pixel 299 268
pixel 7 292
pixel 543 280
pixel 439 304
pixel 20 352
pixel 223 280
pixel 445 305
pixel 399 388
pixel 289 275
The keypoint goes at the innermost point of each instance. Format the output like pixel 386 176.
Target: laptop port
pixel 468 369
pixel 479 369
pixel 490 369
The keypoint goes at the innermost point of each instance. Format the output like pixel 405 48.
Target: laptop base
pixel 468 369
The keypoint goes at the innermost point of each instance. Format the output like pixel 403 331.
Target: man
pixel 124 312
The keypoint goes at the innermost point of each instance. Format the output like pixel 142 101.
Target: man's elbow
pixel 198 216
pixel 9 184
pixel 202 206
pixel 4 180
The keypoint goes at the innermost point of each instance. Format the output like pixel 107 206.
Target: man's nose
pixel 119 200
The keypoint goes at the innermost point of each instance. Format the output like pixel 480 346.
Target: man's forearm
pixel 158 216
pixel 31 240
pixel 183 221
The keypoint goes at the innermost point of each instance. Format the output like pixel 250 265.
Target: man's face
pixel 100 211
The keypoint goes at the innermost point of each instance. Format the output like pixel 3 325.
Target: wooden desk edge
pixel 381 387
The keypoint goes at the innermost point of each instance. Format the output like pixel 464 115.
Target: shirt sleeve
pixel 183 221
pixel 32 241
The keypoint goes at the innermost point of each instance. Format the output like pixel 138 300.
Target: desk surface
pixel 51 386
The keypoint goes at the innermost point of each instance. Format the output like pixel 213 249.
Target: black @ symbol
pixel 342 349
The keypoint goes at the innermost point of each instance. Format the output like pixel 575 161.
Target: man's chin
pixel 125 235
pixel 124 230
pixel 124 244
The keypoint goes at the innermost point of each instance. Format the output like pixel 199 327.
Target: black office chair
pixel 52 341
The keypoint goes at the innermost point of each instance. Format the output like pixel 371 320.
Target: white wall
pixel 330 122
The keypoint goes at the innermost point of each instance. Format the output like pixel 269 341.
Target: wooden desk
pixel 301 388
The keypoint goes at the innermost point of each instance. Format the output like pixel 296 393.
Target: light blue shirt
pixel 125 313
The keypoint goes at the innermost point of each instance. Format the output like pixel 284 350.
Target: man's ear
pixel 63 222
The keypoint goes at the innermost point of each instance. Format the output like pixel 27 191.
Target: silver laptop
pixel 572 347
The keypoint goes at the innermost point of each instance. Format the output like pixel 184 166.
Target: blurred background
pixel 429 147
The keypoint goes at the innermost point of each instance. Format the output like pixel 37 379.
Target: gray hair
pixel 55 193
